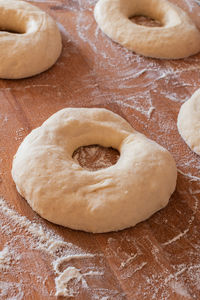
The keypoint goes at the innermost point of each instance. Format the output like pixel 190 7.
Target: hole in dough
pixel 95 157
pixel 145 21
pixel 3 29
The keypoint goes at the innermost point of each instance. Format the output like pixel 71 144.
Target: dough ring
pixel 61 191
pixel 177 38
pixel 189 122
pixel 30 42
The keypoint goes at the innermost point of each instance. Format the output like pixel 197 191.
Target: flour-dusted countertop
pixel 157 259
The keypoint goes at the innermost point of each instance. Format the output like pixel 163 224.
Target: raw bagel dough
pixel 36 46
pixel 189 122
pixel 61 191
pixel 177 38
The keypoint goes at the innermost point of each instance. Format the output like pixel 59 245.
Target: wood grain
pixel 158 258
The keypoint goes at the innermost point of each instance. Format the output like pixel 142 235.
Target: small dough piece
pixel 189 122
pixel 61 191
pixel 30 42
pixel 177 38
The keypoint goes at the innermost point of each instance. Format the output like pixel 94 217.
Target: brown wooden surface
pixel 158 258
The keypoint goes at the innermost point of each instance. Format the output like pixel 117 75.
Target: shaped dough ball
pixel 117 197
pixel 189 122
pixel 177 38
pixel 30 42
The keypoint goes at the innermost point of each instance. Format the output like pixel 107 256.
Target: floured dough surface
pixel 30 41
pixel 189 122
pixel 178 37
pixel 113 198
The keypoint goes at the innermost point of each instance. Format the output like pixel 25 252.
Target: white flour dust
pixel 5 259
pixel 189 175
pixel 3 119
pixel 63 279
pixel 69 279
